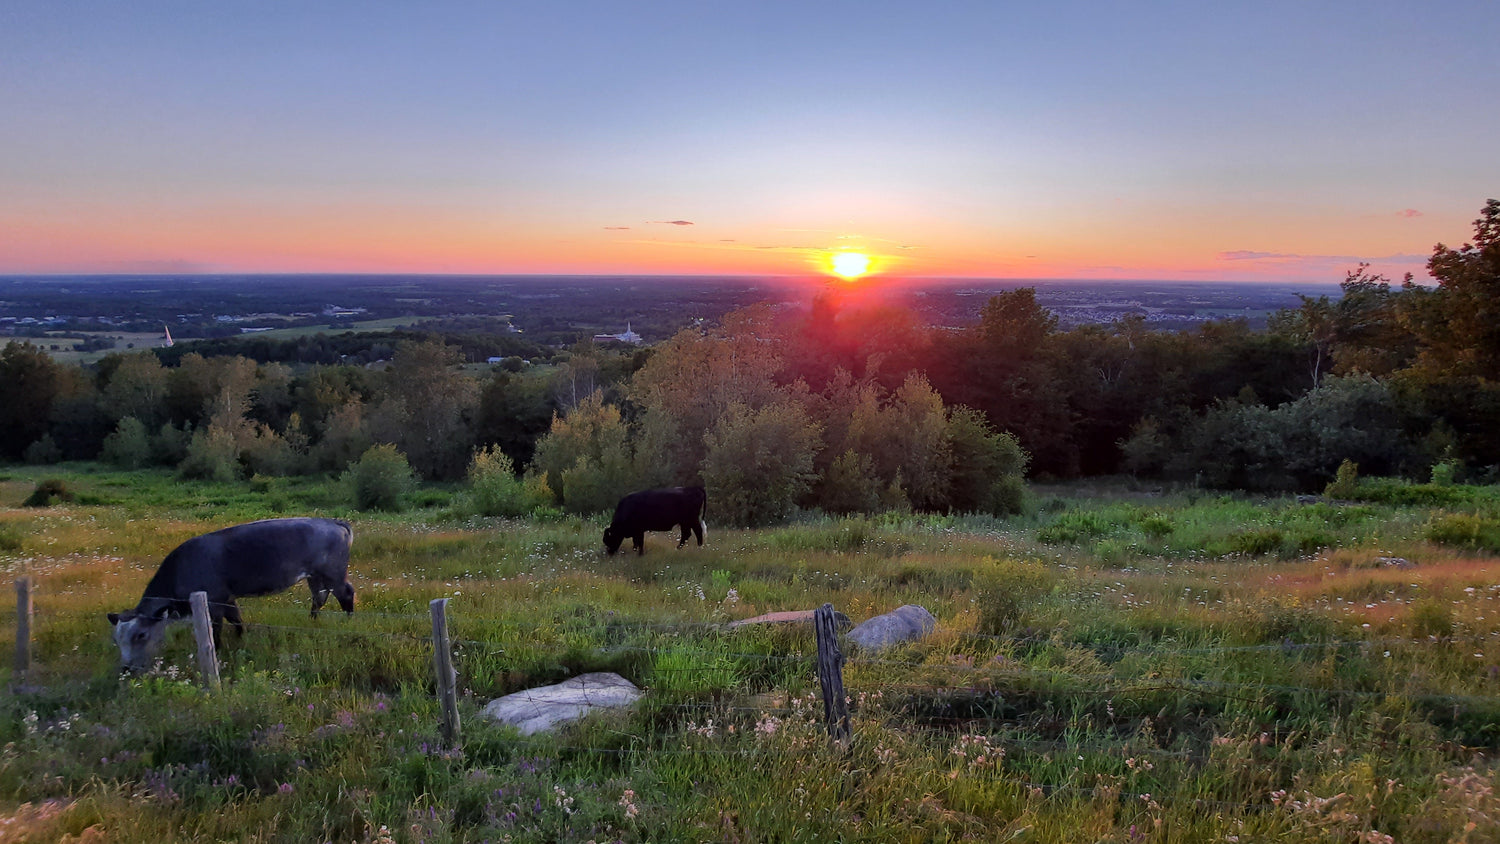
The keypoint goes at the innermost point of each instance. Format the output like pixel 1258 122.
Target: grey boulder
pixel 543 708
pixel 840 620
pixel 902 624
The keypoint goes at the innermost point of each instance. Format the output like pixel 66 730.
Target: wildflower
pixel 285 788
pixel 627 801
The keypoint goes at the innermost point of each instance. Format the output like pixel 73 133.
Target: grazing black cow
pixel 657 509
pixel 257 558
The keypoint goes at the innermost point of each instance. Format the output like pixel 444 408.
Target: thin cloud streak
pixel 1250 255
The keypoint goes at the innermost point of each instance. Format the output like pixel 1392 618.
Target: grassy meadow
pixel 1113 666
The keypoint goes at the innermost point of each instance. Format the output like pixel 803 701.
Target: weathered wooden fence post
pixel 831 673
pixel 447 678
pixel 23 629
pixel 203 633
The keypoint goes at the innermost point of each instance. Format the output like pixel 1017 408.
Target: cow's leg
pixel 699 529
pixel 685 534
pixel 216 621
pixel 640 543
pixel 232 612
pixel 319 588
pixel 345 593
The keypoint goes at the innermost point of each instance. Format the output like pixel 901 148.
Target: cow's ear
pixel 114 618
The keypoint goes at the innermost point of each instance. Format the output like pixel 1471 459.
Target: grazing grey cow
pixel 257 558
pixel 657 509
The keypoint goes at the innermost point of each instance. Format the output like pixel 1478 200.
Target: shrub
pixel 212 455
pixel 850 485
pixel 10 538
pixel 268 453
pixel 1345 482
pixel 759 462
pixel 129 447
pixel 48 492
pixel 1402 494
pixel 1464 530
pixel 1156 527
pixel 1073 527
pixel 585 458
pixel 380 478
pixel 43 452
pixel 988 466
pixel 1444 472
pixel 170 445
pixel 1007 495
pixel 1005 590
pixel 1256 542
pixel 495 490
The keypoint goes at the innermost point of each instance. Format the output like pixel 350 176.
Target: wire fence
pixel 913 690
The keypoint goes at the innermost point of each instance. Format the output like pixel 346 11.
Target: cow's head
pixel 612 539
pixel 139 637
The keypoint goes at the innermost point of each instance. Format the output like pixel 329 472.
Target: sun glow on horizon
pixel 849 265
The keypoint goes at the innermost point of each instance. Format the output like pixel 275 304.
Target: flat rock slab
pixel 840 620
pixel 545 707
pixel 902 624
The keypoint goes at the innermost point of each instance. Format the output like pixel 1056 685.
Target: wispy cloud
pixel 1248 255
pixel 617 228
pixel 1251 255
pixel 671 222
pixel 1408 213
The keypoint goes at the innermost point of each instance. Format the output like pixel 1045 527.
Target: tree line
pixel 846 406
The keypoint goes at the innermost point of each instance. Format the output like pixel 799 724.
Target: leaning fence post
pixel 23 629
pixel 203 632
pixel 831 673
pixel 447 678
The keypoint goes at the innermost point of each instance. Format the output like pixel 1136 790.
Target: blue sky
pixel 1140 140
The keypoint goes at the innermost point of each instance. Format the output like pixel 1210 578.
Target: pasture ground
pixel 1173 668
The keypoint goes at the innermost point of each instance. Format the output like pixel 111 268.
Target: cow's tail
pixel 348 532
pixel 703 514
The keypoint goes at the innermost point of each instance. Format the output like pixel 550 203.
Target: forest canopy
pixel 843 406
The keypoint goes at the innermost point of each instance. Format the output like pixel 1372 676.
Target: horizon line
pixel 864 281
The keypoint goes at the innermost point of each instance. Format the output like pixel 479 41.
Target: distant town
pixel 101 313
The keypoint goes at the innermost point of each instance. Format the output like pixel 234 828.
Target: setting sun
pixel 850 265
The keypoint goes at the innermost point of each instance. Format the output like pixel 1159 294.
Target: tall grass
pixel 1182 670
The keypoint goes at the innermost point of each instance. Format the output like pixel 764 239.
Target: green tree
pixel 323 390
pixel 30 383
pixel 903 439
pixel 345 437
pixel 380 479
pixel 129 446
pixel 1014 325
pixel 428 409
pixel 495 490
pixel 691 380
pixel 514 412
pixel 849 485
pixel 987 466
pixel 212 455
pixel 586 459
pixel 759 462
pixel 137 387
pixel 1469 301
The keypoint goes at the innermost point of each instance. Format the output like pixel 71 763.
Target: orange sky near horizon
pixel 366 239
